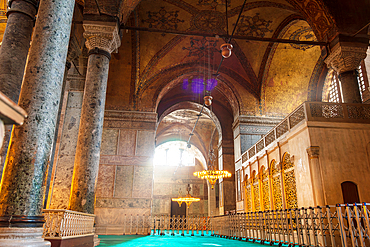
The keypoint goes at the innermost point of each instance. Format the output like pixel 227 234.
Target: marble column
pixel 345 57
pixel 13 55
pixel 15 46
pixel 74 51
pixel 227 185
pixel 316 178
pixel 22 188
pixel 102 38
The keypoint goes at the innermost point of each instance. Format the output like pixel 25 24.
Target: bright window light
pixel 175 153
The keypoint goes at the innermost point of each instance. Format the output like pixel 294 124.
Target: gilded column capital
pixel 102 35
pixel 313 152
pixel 346 56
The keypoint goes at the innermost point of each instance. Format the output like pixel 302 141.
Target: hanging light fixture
pixel 188 199
pixel 226 50
pixel 212 174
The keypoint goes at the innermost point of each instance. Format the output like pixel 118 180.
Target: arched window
pixel 332 91
pixel 350 192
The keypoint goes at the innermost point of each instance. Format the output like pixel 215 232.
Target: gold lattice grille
pixel 289 183
pixel 276 187
pixel 290 189
pixel 286 162
pixel 256 197
pixel 276 191
pixel 265 191
pixel 248 198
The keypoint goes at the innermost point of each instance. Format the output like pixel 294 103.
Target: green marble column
pixel 22 187
pixel 101 39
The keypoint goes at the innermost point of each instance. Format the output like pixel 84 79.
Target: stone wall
pixel 125 180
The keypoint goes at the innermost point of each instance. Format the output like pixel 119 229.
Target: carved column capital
pixel 346 56
pixel 102 35
pixel 313 152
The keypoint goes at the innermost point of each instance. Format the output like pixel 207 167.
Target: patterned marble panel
pixel 143 182
pixel 123 160
pixel 69 137
pixel 105 183
pixel 74 99
pixel 123 182
pixel 145 143
pixel 162 189
pixel 127 142
pixel 62 183
pixel 115 216
pixel 122 203
pixel 109 142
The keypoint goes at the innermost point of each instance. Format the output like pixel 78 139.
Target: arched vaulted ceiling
pixel 151 69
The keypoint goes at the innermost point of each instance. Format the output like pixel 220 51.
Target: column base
pixel 26 237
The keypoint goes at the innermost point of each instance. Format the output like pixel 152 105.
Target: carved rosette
pixel 102 35
pixel 345 58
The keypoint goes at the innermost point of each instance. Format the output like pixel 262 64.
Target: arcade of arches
pixel 105 82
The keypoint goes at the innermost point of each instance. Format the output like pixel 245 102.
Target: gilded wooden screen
pixel 276 186
pixel 289 182
pixel 265 190
pixel 248 197
pixel 256 195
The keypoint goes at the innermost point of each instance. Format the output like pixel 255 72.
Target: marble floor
pixel 168 240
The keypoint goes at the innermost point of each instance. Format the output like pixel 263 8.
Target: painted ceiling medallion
pixel 209 21
pixel 201 47
pixel 163 19
pixel 253 26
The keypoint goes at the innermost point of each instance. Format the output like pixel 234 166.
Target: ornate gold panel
pixel 289 182
pixel 256 196
pixel 265 190
pixel 290 189
pixel 248 198
pixel 276 191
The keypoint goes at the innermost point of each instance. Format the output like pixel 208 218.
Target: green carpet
pixel 178 241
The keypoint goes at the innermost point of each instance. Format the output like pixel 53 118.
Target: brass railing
pixel 340 225
pixel 312 111
pixel 63 224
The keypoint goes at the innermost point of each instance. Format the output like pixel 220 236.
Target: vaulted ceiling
pixel 156 69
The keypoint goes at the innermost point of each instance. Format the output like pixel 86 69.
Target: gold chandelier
pixel 188 199
pixel 212 174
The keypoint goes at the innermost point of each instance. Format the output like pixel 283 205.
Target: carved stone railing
pixel 340 225
pixel 312 111
pixel 63 224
